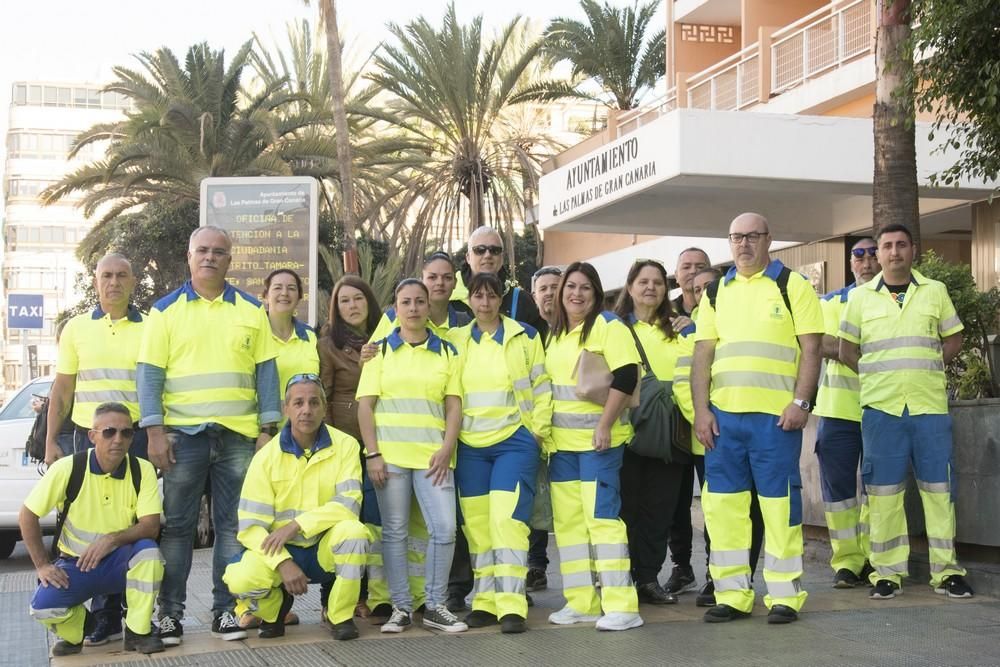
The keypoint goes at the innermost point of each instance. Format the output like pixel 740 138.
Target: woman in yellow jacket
pixel 296 341
pixel 506 413
pixel 589 440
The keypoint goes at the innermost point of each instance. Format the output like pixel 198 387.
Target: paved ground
pixel 837 628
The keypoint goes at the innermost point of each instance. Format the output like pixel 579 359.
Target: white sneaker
pixel 400 620
pixel 619 621
pixel 568 616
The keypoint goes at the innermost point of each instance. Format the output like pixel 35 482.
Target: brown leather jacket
pixel 340 371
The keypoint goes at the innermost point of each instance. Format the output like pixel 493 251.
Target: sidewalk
pixel 836 628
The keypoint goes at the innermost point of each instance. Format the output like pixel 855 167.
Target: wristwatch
pixel 802 403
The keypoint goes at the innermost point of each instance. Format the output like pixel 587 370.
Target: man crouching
pixel 298 518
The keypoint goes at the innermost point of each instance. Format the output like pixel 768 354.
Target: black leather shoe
pixel 383 610
pixel 723 613
pixel 480 619
pixel 276 628
pixel 706 596
pixel 512 624
pixel 781 614
pixel 653 593
pixel 345 630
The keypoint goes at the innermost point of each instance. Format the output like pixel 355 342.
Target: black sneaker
pixel 681 580
pixel 512 624
pixel 107 627
pixel 480 619
pixel 145 644
pixel 63 647
pixel 706 596
pixel 653 593
pixel 527 596
pixel 275 628
pixel 866 573
pixel 399 620
pixel 954 586
pixel 781 614
pixel 227 627
pixel 383 610
pixel 846 579
pixel 723 613
pixel 345 630
pixel 536 580
pixel 441 618
pixel 171 632
pixel 884 590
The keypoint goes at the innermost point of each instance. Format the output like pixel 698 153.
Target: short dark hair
pixel 440 254
pixel 894 227
pixel 484 280
pixel 407 282
pixel 716 274
pixel 112 407
pixel 694 249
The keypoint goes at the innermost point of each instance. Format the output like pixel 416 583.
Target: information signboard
pixel 25 311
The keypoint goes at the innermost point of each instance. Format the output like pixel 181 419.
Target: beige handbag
pixel 593 380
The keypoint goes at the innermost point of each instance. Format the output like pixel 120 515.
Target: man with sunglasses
pixel 298 518
pixel 107 539
pixel 838 441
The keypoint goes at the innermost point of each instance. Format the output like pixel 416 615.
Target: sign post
pixel 274 224
pixel 26 312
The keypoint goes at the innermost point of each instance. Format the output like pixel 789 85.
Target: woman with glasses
pixel 410 413
pixel 589 439
pixel 650 485
pixel 506 413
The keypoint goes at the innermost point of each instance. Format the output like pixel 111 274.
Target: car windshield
pixel 19 407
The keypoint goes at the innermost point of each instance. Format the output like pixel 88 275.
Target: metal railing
pixel 730 85
pixel 632 120
pixel 819 42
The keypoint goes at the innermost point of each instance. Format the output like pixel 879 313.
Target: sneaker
pixel 441 618
pixel 227 627
pixel 536 580
pixel 681 580
pixel 145 644
pixel 480 619
pixel 723 613
pixel 781 614
pixel 455 604
pixel 568 616
pixel 276 628
pixel 399 620
pixel 884 590
pixel 108 627
pixel 171 632
pixel 706 596
pixel 846 579
pixel 345 630
pixel 618 620
pixel 954 586
pixel 512 624
pixel 653 593
pixel 63 647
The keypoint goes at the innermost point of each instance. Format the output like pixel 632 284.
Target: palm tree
pixel 613 48
pixel 454 98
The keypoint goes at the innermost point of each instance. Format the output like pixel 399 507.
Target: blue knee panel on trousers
pixel 308 561
pixel 500 467
pixel 751 450
pixel 838 448
pixel 106 579
pixel 892 443
pixel 600 467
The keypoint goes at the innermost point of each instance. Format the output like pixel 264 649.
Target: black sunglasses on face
pixel 481 250
pixel 111 432
pixel 860 252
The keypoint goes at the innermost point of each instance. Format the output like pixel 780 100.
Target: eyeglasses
pixel 481 250
pixel 752 237
pixel 304 377
pixel 547 271
pixel 111 432
pixel 860 252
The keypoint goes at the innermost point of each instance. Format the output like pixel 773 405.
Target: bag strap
pixel 136 473
pixel 782 282
pixel 642 352
pixel 513 303
pixel 72 491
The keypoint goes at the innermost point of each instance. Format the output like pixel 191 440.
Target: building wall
pixel 562 248
pixel 956 251
pixel 985 250
pixel 774 13
pixel 832 254
pixel 691 56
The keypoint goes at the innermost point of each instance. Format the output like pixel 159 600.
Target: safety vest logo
pixel 776 312
pixel 246 343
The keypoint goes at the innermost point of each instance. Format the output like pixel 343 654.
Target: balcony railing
pixel 730 85
pixel 632 120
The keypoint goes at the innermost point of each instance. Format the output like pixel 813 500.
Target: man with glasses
pixel 107 541
pixel 208 395
pixel 838 438
pixel 298 518
pixel 755 367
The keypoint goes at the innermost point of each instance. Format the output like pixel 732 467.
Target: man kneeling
pixel 110 505
pixel 298 518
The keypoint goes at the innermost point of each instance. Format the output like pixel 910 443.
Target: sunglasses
pixel 481 250
pixel 111 432
pixel 547 271
pixel 304 377
pixel 860 252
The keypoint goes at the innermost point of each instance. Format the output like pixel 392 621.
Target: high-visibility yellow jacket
pixel 839 387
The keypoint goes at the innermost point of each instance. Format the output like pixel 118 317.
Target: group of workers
pixel 395 458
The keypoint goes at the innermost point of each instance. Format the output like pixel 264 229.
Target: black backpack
pixel 76 482
pixel 35 445
pixel 782 282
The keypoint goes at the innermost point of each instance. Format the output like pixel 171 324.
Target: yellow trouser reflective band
pixel 510 556
pixel 740 582
pixel 755 379
pixel 145 555
pixel 564 392
pixel 733 558
pixel 416 544
pixel 574 552
pixel 49 614
pixel 482 424
pixel 885 490
pixel 940 543
pixel 350 503
pixel 536 370
pixel 480 561
pixel 577 579
pixel 782 589
pixel 488 399
pixel 208 409
pixel 900 341
pixel 757 350
pixel 106 396
pixel 841 505
pixel 91 374
pixel 934 487
pixel 613 578
pixel 889 545
pixel 483 585
pixel 513 585
pixel 833 381
pixel 233 380
pixel 542 388
pixel 845 533
pixel 949 323
pixel 246 524
pixel 787 565
pixel 142 586
pixel 409 434
pixel 355 546
pixel 936 567
pixel 896 568
pixel 610 551
pixel 850 329
pixel 415 569
pixel 409 406
pixel 521 384
pixel 908 364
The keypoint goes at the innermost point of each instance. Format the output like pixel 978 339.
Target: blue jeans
pixel 437 504
pixel 222 457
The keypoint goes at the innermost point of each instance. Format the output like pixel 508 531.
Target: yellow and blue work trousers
pixel 891 445
pixel 342 550
pixel 135 568
pixel 591 538
pixel 752 450
pixel 496 494
pixel 838 449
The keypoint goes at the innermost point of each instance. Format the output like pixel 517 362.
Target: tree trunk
pixel 335 69
pixel 894 192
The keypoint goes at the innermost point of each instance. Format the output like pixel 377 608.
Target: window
pixel 65 97
pixel 34 94
pixel 20 94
